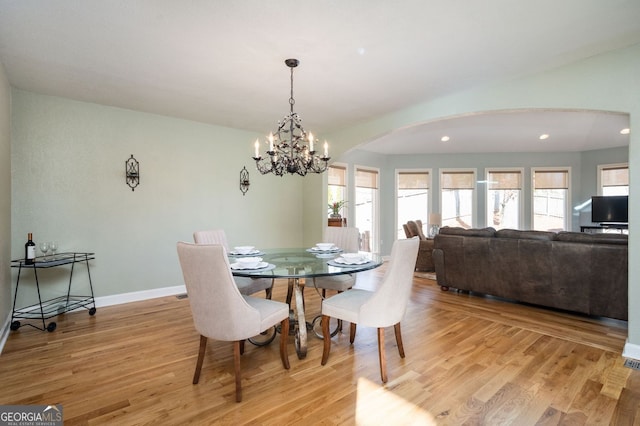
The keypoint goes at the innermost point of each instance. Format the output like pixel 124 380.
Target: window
pixel 457 197
pixel 337 186
pixel 550 199
pixel 504 198
pixel 412 193
pixel 613 179
pixel 367 208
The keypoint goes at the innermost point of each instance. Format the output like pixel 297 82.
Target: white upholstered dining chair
pixel 246 285
pixel 348 239
pixel 381 308
pixel 220 312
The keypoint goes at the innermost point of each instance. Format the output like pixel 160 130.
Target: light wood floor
pixel 470 360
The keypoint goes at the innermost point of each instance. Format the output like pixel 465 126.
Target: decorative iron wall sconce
pixel 244 180
pixel 132 172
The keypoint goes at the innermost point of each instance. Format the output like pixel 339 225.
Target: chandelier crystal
pixel 291 149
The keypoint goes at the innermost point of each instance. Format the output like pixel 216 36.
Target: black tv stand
pixel 620 226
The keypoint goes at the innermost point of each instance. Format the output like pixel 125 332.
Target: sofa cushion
pixel 581 237
pixel 454 230
pixel 526 235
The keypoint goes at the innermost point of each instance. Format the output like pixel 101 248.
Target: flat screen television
pixel 610 209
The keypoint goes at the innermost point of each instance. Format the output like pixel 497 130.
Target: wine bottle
pixel 29 251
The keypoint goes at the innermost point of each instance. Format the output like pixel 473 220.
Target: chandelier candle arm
pixel 291 148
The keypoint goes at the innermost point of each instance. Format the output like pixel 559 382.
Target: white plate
pixel 251 253
pixel 344 261
pixel 317 250
pixel 238 266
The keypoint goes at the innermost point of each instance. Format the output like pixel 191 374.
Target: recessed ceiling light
pixel 361 51
pixel 544 136
pixel 625 131
pixel 445 139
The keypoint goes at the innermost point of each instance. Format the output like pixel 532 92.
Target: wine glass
pixel 44 248
pixel 53 246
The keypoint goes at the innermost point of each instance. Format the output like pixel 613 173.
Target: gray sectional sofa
pixel 586 273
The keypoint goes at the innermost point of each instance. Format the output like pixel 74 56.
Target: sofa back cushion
pixel 474 232
pixel 526 235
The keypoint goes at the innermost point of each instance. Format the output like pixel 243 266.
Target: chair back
pixel 219 310
pixel 389 302
pixel 212 236
pixel 347 238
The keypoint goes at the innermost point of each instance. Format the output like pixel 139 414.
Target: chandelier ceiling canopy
pixel 291 149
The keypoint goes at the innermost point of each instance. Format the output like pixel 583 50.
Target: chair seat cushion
pixel 248 286
pixel 338 282
pixel 271 311
pixel 346 306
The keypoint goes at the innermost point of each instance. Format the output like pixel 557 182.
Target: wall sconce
pixel 132 172
pixel 244 180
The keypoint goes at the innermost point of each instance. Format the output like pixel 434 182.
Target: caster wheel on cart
pixel 51 327
pixel 264 338
pixel 92 311
pixel 15 325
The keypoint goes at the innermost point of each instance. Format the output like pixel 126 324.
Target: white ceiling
pixel 221 62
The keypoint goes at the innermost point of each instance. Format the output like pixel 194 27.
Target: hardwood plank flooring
pixel 470 360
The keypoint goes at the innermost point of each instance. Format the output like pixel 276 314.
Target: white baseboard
pixel 631 350
pixel 136 296
pixel 116 299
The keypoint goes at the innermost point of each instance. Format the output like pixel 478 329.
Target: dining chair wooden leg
pixel 269 291
pixel 396 328
pixel 326 337
pixel 236 367
pixel 203 348
pixel 352 332
pixel 284 336
pixel 241 347
pixel 289 291
pixel 383 359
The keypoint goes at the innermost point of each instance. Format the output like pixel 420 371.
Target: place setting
pixel 349 259
pixel 251 264
pixel 324 248
pixel 245 251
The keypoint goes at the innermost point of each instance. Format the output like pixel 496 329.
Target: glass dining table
pixel 300 263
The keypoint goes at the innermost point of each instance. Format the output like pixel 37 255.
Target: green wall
pixel 69 185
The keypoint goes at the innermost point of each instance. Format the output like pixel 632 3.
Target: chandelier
pixel 291 148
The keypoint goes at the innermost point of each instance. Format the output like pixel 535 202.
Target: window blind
pixel 337 175
pixel 505 180
pixel 615 176
pixel 366 179
pixel 551 179
pixel 457 180
pixel 413 180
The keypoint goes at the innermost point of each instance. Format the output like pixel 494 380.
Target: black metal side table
pixel 50 308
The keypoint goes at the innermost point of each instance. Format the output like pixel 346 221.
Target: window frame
pixel 520 170
pixel 601 167
pixel 375 242
pixel 397 173
pixel 474 197
pixel 568 224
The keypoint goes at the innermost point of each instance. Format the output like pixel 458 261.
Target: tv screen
pixel 610 209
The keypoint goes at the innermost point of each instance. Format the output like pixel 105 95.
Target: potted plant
pixel 336 207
